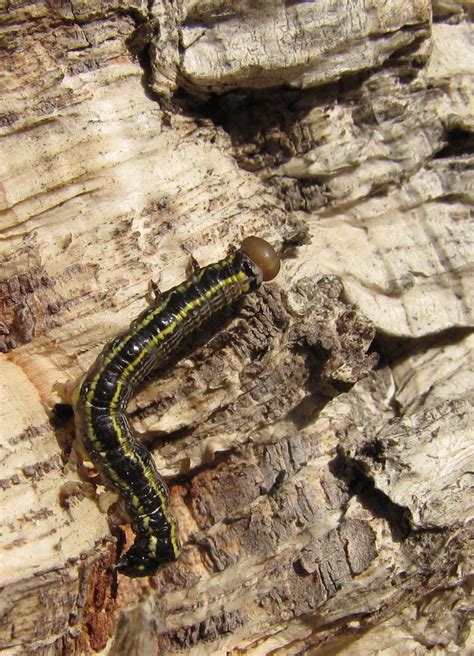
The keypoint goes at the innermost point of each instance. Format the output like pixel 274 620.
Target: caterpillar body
pixel 101 400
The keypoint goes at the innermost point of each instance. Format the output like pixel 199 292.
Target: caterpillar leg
pixel 154 294
pixel 194 264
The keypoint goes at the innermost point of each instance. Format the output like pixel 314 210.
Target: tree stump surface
pixel 317 439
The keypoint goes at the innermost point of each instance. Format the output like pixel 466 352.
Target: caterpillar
pixel 100 401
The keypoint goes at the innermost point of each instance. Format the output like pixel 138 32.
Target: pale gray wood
pixel 323 501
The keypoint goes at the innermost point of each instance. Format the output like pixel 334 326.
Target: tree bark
pixel 318 439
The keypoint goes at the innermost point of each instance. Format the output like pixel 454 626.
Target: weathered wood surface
pixel 324 501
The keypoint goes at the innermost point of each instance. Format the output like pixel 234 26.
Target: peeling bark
pixel 317 439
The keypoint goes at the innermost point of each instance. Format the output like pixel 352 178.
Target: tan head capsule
pixel 263 255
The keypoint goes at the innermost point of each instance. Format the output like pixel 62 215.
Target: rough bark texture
pixel 322 492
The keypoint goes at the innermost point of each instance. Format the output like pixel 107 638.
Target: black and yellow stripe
pixel 101 400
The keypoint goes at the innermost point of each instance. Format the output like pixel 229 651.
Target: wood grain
pixel 322 490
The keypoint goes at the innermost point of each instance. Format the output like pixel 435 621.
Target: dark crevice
pixel 393 349
pixel 61 415
pixel 361 485
pixel 158 439
pixel 258 117
pixel 218 457
pixel 459 143
pixel 138 45
pixel 261 122
pixel 62 422
pixel 411 50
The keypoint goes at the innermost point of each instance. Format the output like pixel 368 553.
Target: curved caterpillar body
pixel 101 400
